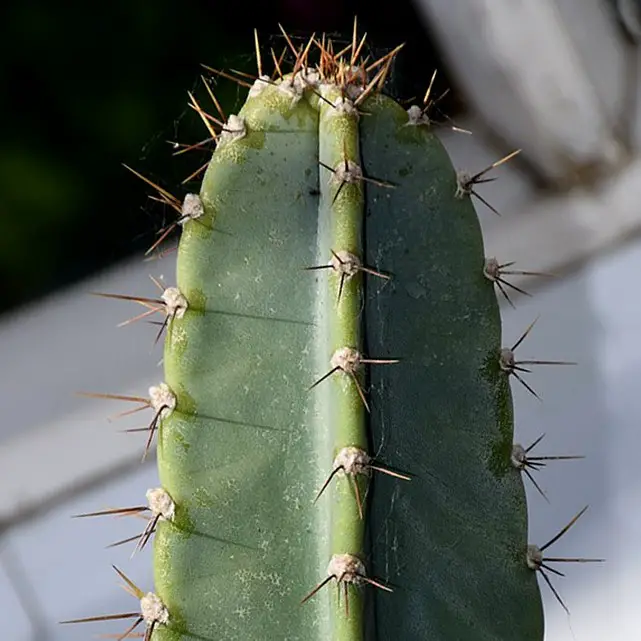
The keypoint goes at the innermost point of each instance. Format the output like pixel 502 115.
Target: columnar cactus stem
pixel 283 387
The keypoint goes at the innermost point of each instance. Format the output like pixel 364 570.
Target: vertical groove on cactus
pixel 290 379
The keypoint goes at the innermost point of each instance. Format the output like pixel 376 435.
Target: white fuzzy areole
pixel 343 106
pixel 160 503
pixel 260 84
pixel 162 399
pixel 175 303
pixel 463 184
pixel 234 130
pixel 192 208
pixel 534 557
pixel 507 360
pixel 352 460
pixel 310 77
pixel 296 84
pixel 519 456
pixel 347 568
pixel 153 610
pixel 351 173
pixel 346 358
pixel 416 117
pixel 294 87
pixel 491 269
pixel 346 263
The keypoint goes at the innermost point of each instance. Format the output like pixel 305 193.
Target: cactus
pixel 336 414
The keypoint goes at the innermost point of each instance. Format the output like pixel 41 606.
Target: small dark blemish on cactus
pixel 466 181
pixel 348 360
pixel 352 461
pixel 511 366
pixel 346 570
pixel 152 611
pixel 537 562
pixel 494 272
pixel 524 463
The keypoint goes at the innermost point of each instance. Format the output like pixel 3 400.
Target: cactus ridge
pixel 334 317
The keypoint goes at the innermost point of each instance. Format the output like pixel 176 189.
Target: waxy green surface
pixel 249 445
pixel 453 539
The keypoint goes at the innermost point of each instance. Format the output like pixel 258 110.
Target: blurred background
pixel 90 87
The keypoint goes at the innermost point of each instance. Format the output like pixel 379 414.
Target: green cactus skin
pixel 452 538
pixel 258 422
pixel 249 445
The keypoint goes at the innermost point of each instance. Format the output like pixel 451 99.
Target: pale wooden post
pixel 550 77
